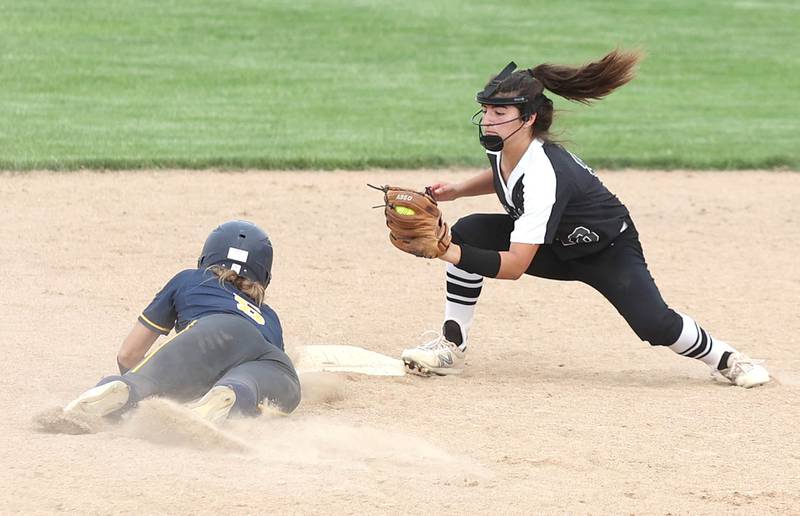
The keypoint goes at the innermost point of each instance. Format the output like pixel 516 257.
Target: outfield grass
pixel 353 84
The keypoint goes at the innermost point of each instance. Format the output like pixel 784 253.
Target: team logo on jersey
pixel 581 235
pixel 514 212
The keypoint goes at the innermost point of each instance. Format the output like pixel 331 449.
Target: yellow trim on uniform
pixel 160 347
pixel 154 325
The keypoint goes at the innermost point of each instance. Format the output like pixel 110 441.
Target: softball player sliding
pixel 228 347
pixel 562 223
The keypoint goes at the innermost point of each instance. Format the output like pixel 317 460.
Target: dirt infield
pixel 561 409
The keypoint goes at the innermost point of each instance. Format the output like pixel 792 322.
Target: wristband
pixel 485 262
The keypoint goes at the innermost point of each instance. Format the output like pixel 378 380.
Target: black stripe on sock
pixel 710 347
pixel 460 302
pixel 464 279
pixel 703 344
pixel 696 341
pixel 460 290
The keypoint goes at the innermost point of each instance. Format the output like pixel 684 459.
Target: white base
pixel 346 359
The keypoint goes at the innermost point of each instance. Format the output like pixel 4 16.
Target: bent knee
pixel 284 397
pixel 289 399
pixel 460 231
pixel 487 231
pixel 659 330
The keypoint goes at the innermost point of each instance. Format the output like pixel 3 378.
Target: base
pixel 346 359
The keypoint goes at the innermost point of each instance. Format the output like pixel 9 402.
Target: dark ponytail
pixel 583 84
pixel 591 81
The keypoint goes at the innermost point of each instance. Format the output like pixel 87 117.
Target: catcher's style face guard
pixel 493 142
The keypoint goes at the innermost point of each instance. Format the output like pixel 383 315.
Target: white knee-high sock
pixel 463 289
pixel 695 342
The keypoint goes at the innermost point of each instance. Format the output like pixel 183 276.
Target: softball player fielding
pixel 561 223
pixel 228 349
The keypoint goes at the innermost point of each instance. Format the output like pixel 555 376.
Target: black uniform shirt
pixel 555 199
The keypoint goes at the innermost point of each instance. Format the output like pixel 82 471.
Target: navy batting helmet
pixel 242 247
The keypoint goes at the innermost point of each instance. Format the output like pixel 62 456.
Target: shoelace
pixel 743 365
pixel 436 343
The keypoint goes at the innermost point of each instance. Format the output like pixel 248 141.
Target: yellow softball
pixel 402 210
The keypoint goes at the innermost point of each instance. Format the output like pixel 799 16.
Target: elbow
pixel 510 274
pixel 127 358
pixel 515 275
pixel 517 271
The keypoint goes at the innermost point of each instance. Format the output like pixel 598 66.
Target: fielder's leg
pixel 620 273
pixel 444 354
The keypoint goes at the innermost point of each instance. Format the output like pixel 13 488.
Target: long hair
pixel 251 288
pixel 584 84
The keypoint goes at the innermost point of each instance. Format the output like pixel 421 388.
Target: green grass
pixel 353 84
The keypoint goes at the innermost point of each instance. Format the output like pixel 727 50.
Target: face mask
pixel 493 142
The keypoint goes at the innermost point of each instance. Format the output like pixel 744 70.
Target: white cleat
pixel 101 400
pixel 437 356
pixel 215 405
pixel 745 371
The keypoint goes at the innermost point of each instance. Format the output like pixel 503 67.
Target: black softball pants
pixel 619 273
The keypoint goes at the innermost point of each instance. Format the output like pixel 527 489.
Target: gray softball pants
pixel 219 349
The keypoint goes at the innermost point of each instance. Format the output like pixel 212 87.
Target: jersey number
pixel 249 309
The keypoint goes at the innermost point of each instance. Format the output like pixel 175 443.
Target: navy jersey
pixel 195 293
pixel 555 199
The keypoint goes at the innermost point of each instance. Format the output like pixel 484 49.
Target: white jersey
pixel 555 199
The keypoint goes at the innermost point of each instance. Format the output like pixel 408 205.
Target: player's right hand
pixel 444 191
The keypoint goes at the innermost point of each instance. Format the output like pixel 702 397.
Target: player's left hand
pixel 415 222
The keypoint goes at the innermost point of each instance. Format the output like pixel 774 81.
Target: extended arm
pixel 480 184
pixel 135 345
pixel 513 263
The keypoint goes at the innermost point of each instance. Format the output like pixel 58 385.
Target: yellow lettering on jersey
pixel 249 309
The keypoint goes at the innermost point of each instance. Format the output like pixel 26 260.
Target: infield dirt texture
pixel 561 408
